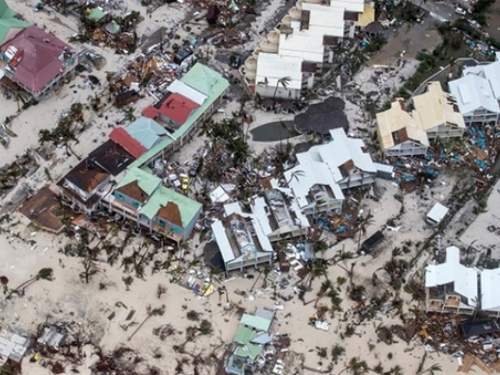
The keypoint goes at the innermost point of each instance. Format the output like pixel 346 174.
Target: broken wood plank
pixel 479 362
pixel 467 364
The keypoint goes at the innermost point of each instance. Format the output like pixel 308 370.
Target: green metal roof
pixel 147 182
pixel 96 15
pixel 205 80
pixel 256 322
pixel 243 337
pixel 200 78
pixel 7 21
pixel 187 207
pixel 146 131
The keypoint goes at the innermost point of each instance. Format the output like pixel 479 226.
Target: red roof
pixel 121 137
pixel 173 106
pixel 37 57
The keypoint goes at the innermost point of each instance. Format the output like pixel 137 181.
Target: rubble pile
pixel 477 152
pixel 113 31
pixel 453 335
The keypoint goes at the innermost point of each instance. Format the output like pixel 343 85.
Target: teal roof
pixel 204 80
pixel 146 131
pixel 8 21
pixel 188 207
pixel 243 337
pixel 257 322
pixel 147 182
pixel 96 15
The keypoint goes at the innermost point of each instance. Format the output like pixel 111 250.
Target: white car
pixel 460 11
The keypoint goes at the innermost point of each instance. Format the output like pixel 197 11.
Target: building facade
pixel 25 74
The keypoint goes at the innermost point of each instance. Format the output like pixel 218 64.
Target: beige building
pixel 437 113
pixel 405 133
pixel 398 132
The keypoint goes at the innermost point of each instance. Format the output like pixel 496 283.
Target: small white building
pixel 437 213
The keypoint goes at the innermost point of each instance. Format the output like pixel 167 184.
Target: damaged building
pixel 324 171
pixel 201 87
pixel 248 347
pixel 141 197
pixel 24 73
pixel 241 240
pixel 82 188
pixel 402 132
pixel 452 287
pixel 477 94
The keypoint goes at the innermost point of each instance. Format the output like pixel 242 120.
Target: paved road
pixel 441 11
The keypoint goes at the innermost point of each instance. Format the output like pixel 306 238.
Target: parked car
pixel 235 61
pixel 174 180
pixel 185 182
pixel 460 11
pixel 195 168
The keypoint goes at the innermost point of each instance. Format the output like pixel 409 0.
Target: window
pixel 135 204
pixel 162 224
pixel 176 229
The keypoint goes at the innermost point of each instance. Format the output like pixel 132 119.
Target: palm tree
pixel 43 274
pixel 356 367
pixel 432 370
pixel 295 176
pixel 129 114
pixel 159 311
pixel 318 269
pixel 283 81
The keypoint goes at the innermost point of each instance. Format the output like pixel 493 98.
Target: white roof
pixel 273 67
pixel 492 74
pixel 235 208
pixel 259 209
pixel 178 87
pixel 473 92
pixel 437 212
pixel 325 20
pixel 320 165
pixel 262 211
pixel 304 44
pixel 490 298
pixel 464 278
pixel 342 148
pixel 349 5
pixel 222 241
pixel 219 195
pixel 307 174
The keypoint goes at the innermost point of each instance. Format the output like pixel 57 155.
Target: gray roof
pixel 265 313
pixel 320 118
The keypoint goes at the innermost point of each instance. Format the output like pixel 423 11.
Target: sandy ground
pixel 478 233
pixel 68 299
